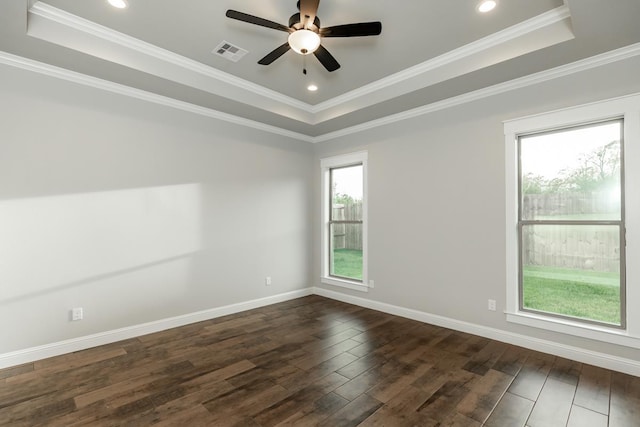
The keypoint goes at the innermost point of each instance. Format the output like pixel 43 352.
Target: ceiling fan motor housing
pixel 296 24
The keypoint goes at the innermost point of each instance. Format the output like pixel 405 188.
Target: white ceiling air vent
pixel 229 51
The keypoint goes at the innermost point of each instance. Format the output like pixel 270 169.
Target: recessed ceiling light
pixel 485 6
pixel 312 88
pixel 120 4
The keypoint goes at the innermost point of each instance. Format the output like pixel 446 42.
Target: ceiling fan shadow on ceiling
pixel 305 33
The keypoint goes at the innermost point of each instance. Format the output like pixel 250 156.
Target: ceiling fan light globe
pixel 304 42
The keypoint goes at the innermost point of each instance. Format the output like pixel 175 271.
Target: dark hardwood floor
pixel 315 361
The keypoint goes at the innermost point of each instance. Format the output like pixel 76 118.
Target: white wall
pixel 437 203
pixel 137 212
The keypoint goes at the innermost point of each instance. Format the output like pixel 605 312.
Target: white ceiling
pixel 429 52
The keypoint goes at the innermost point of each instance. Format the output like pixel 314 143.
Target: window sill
pixel 349 284
pixel 593 332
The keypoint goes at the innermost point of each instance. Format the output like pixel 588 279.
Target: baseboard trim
pixel 82 343
pixel 603 360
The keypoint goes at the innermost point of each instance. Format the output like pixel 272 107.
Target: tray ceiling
pixel 429 52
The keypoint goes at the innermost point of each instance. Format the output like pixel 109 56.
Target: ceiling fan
pixel 305 33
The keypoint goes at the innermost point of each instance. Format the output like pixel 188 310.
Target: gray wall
pixel 137 212
pixel 437 201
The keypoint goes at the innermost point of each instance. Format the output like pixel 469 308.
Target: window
pixel 344 232
pixel 573 220
pixel 571 225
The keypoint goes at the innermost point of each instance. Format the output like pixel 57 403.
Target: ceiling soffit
pixel 62 28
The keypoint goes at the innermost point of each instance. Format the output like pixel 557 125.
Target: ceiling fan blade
pixel 275 54
pixel 353 30
pixel 244 17
pixel 326 59
pixel 308 11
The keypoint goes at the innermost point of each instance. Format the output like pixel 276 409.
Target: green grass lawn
pixel 583 294
pixel 582 276
pixel 347 263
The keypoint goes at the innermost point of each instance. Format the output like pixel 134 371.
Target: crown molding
pixel 540 77
pixel 96 83
pixel 57 26
pixel 514 32
pixel 60 27
pixel 522 82
pixel 49 12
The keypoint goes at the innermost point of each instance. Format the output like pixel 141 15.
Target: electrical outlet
pixel 267 281
pixel 77 313
pixel 491 305
pixel 372 284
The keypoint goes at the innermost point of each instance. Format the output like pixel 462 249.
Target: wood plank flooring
pixel 314 361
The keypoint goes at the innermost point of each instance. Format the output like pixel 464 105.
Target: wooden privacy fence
pixel 574 247
pixel 347 236
pixel 586 247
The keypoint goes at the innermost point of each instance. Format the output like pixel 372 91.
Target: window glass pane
pixel 346 193
pixel 346 251
pixel 573 174
pixel 572 270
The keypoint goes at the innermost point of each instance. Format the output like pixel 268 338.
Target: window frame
pixel 620 223
pixel 626 108
pixel 331 222
pixel 326 165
